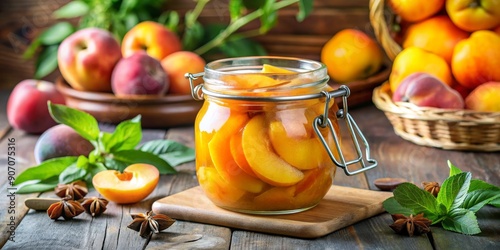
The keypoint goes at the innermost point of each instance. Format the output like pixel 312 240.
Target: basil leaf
pixel 453 169
pixel 126 135
pixel 416 199
pixel 56 33
pixel 305 8
pixel 132 156
pixel 462 221
pixel 454 190
pixel 476 199
pixel 38 186
pixel 47 169
pixel 112 163
pixel 72 9
pixel 46 62
pixel 393 207
pixel 171 151
pixel 82 122
pixel 75 171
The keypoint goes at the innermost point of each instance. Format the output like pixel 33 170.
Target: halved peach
pixel 134 184
pixel 220 152
pixel 268 166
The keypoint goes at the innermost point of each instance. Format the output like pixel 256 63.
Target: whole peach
pixel 486 97
pixel 157 40
pixel 177 65
pixel 425 90
pixel 414 11
pixel 139 74
pixel 27 105
pixel 476 60
pixel 61 140
pixel 351 55
pixel 87 57
pixel 473 15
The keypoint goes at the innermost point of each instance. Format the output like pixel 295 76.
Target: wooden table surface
pixel 396 158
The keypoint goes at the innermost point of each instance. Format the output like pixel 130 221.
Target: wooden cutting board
pixel 341 207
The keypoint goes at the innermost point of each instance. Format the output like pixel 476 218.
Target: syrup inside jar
pixel 256 147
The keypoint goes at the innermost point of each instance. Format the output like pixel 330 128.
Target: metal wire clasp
pixel 355 133
pixel 196 91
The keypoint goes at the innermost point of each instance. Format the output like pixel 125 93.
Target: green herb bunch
pixel 119 16
pixel 114 150
pixel 454 207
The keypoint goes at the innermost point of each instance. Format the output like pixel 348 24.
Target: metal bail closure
pixel 196 91
pixel 354 132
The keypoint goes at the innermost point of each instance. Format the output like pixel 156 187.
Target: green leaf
pixel 46 62
pixel 72 9
pixel 173 152
pixel 32 49
pixel 239 46
pixel 305 8
pixel 47 169
pixel 83 123
pixel 72 173
pixel 453 169
pixel 479 184
pixel 462 221
pixel 269 17
pixel 56 33
pixel 454 190
pixel 235 9
pixel 476 199
pixel 416 199
pixel 38 186
pixel 112 163
pixel 192 37
pixel 393 207
pixel 126 135
pixel 170 19
pixel 495 202
pixel 133 156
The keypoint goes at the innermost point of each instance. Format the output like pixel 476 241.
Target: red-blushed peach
pixel 139 74
pixel 157 40
pixel 59 141
pixel 425 90
pixel 476 60
pixel 177 65
pixel 134 184
pixel 473 15
pixel 27 105
pixel 485 97
pixel 87 57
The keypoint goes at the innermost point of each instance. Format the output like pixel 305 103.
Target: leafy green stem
pixel 237 24
pixel 200 5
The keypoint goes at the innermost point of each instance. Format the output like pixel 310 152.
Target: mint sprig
pixel 455 205
pixel 114 150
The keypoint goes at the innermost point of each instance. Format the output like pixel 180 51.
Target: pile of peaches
pixel 450 54
pixel 148 61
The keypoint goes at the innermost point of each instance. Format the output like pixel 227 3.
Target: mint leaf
pixel 393 207
pixel 479 184
pixel 136 156
pixel 462 221
pixel 454 190
pixel 82 122
pixel 171 151
pixel 416 199
pixel 126 136
pixel 476 199
pixel 47 169
pixel 453 169
pixel 76 171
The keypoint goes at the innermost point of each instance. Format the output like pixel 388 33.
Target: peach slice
pixel 239 155
pixel 216 188
pixel 133 185
pixel 267 68
pixel 276 198
pixel 219 148
pixel 268 166
pixel 301 153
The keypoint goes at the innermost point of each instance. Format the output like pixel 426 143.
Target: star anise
pixel 149 223
pixel 94 206
pixel 431 187
pixel 412 225
pixel 77 190
pixel 67 208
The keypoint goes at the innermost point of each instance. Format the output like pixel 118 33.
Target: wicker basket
pixel 442 128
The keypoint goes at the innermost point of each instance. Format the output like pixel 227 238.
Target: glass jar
pixel 267 136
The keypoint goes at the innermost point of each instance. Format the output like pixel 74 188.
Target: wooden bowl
pixel 156 112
